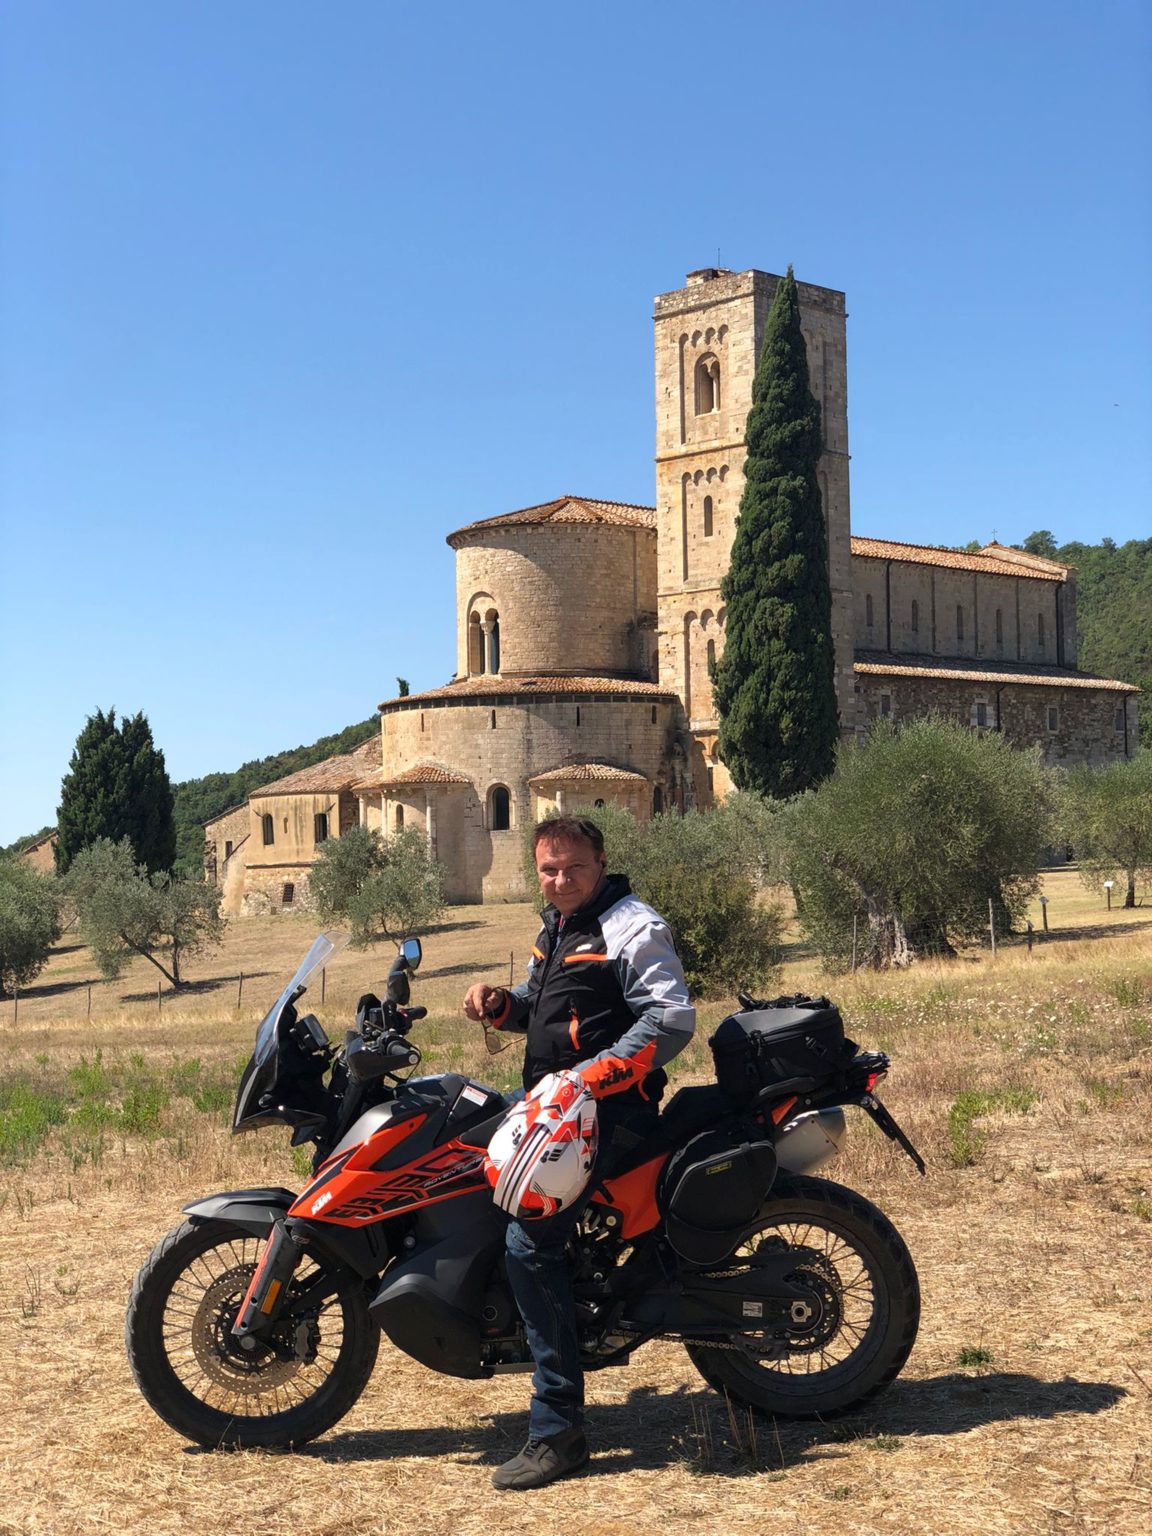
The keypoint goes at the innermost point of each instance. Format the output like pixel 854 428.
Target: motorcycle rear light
pixel 873 1079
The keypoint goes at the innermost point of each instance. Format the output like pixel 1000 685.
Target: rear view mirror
pixel 412 953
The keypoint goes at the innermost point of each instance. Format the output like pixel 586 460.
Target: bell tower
pixel 708 338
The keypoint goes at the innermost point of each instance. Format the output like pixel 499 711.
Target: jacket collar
pixel 614 889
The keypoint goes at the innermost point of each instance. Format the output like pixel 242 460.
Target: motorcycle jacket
pixel 605 995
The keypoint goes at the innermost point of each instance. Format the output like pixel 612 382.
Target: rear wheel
pixel 864 1314
pixel 289 1389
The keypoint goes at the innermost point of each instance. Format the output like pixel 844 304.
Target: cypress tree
pixel 774 687
pixel 117 786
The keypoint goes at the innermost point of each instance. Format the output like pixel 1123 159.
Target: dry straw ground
pixel 1032 1234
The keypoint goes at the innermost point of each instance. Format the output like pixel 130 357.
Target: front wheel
pixel 864 1315
pixel 193 1372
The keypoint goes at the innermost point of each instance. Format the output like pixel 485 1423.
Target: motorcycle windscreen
pixel 260 1075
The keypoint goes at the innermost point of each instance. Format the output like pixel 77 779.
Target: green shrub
pixel 27 1115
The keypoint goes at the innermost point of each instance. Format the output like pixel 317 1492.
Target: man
pixel 606 997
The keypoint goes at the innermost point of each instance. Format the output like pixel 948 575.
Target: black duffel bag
pixel 776 1040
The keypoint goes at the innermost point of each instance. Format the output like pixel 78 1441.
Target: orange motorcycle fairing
pixel 378 1180
pixel 633 1194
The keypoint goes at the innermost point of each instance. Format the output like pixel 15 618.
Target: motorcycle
pixel 256 1322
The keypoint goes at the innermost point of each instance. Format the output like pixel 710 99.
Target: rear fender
pixel 253 1210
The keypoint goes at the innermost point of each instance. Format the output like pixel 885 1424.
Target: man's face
pixel 569 872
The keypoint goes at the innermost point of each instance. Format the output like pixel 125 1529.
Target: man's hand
pixel 481 1001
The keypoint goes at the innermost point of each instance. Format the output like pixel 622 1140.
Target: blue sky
pixel 290 291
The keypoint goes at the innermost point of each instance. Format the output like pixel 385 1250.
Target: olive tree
pixel 918 829
pixel 389 885
pixel 124 910
pixel 29 923
pixel 1106 814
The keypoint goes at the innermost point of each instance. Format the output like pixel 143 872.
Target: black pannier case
pixel 785 1038
pixel 712 1187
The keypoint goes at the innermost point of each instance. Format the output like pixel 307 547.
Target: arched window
pixel 398 819
pixel 268 830
pixel 915 617
pixel 657 801
pixel 288 894
pixel 599 805
pixel 707 385
pixel 710 655
pixel 707 517
pixel 320 827
pixel 475 646
pixel 1040 630
pixel 999 626
pixel 499 808
pixel 868 609
pixel 959 621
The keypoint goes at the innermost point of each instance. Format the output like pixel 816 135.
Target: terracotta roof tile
pixel 419 773
pixel 585 773
pixel 991 564
pixel 471 689
pixel 879 664
pixel 334 773
pixel 568 509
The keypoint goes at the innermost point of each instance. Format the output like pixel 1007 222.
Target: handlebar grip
pixel 413 1014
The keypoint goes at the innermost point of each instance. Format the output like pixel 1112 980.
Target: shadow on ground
pixel 194 988
pixel 57 988
pixel 473 968
pixel 655 1429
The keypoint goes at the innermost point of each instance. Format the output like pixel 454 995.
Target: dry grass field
pixel 1026 1406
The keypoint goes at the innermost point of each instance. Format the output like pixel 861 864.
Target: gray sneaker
pixel 543 1461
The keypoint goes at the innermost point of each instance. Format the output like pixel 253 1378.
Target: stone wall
pixel 277 871
pixel 504 741
pixel 1088 727
pixel 226 855
pixel 571 597
pixel 974 614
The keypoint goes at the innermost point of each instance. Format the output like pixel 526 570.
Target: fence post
pixel 991 927
pixel 159 999
pixel 1044 911
pixel 239 990
pixel 15 1006
pixel 323 983
pixel 511 963
pixel 855 920
pixel 89 999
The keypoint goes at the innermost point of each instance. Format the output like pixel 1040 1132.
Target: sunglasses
pixel 494 1039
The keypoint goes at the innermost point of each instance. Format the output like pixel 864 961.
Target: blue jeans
pixel 540 1275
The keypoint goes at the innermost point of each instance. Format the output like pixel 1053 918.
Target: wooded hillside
pixel 1114 609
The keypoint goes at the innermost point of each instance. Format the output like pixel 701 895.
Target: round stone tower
pixel 554 704
pixel 563 589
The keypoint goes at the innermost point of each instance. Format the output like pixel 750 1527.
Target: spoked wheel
pixel 289 1389
pixel 851 1337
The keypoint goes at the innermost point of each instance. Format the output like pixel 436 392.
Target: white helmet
pixel 540 1158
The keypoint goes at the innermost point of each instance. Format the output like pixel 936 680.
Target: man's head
pixel 570 862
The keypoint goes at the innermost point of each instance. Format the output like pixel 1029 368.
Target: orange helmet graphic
pixel 540 1158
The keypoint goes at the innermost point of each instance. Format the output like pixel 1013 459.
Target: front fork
pixel 264 1297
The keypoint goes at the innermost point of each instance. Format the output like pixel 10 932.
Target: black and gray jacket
pixel 605 993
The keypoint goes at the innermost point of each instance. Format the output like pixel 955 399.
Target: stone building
pixel 585 630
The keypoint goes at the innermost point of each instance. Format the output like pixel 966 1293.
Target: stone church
pixel 585 628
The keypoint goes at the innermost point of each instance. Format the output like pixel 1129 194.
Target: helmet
pixel 540 1156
